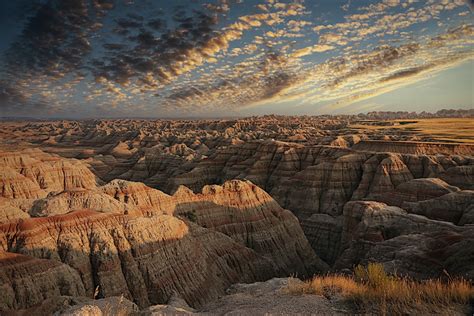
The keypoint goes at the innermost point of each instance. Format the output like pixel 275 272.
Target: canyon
pixel 158 211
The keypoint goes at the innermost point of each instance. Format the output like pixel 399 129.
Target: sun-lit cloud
pixel 152 58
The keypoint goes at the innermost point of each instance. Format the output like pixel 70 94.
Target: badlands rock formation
pixel 316 183
pixel 155 210
pixel 124 238
pixel 376 232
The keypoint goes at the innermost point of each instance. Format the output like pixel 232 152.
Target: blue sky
pixel 143 58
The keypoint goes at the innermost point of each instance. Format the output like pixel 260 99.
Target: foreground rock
pixel 278 296
pixel 107 306
pixel 80 306
pixel 264 298
pixel 146 259
pixel 272 298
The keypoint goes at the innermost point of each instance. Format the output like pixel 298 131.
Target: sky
pixel 222 58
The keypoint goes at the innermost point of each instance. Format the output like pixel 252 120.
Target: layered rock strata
pixel 406 244
pixel 125 238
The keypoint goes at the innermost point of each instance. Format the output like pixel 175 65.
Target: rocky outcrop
pixel 324 233
pixel 456 207
pixel 146 259
pixel 16 186
pixel 138 197
pixel 241 210
pixel 10 211
pixel 106 306
pixel 79 199
pixel 146 245
pixel 361 194
pixel 80 306
pixel 273 298
pixel 251 217
pixel 460 176
pixel 405 243
pixel 320 179
pixel 417 190
pixel 160 163
pixel 26 281
pixel 31 173
pixel 122 150
pixel 278 296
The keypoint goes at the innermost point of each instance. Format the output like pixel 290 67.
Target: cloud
pixel 399 79
pixel 54 39
pixel 312 49
pixel 434 66
pixel 205 57
pixel 379 58
pixel 348 79
pixel 9 96
pixel 263 79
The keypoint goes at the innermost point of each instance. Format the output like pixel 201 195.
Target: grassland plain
pixel 458 130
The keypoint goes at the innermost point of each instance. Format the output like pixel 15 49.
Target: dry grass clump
pixel 370 289
pixel 326 285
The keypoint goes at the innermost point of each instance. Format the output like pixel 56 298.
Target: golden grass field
pixel 371 290
pixel 459 130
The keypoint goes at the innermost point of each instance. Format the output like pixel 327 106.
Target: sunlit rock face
pixel 31 174
pixel 125 238
pixel 147 259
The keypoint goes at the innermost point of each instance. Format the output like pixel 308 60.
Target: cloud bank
pixel 142 58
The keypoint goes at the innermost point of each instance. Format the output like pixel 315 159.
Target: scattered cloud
pixel 221 55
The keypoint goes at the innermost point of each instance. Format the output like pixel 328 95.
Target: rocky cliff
pixel 317 182
pixel 124 238
pixel 406 244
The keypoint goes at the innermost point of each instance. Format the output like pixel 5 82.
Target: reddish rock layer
pixel 236 229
